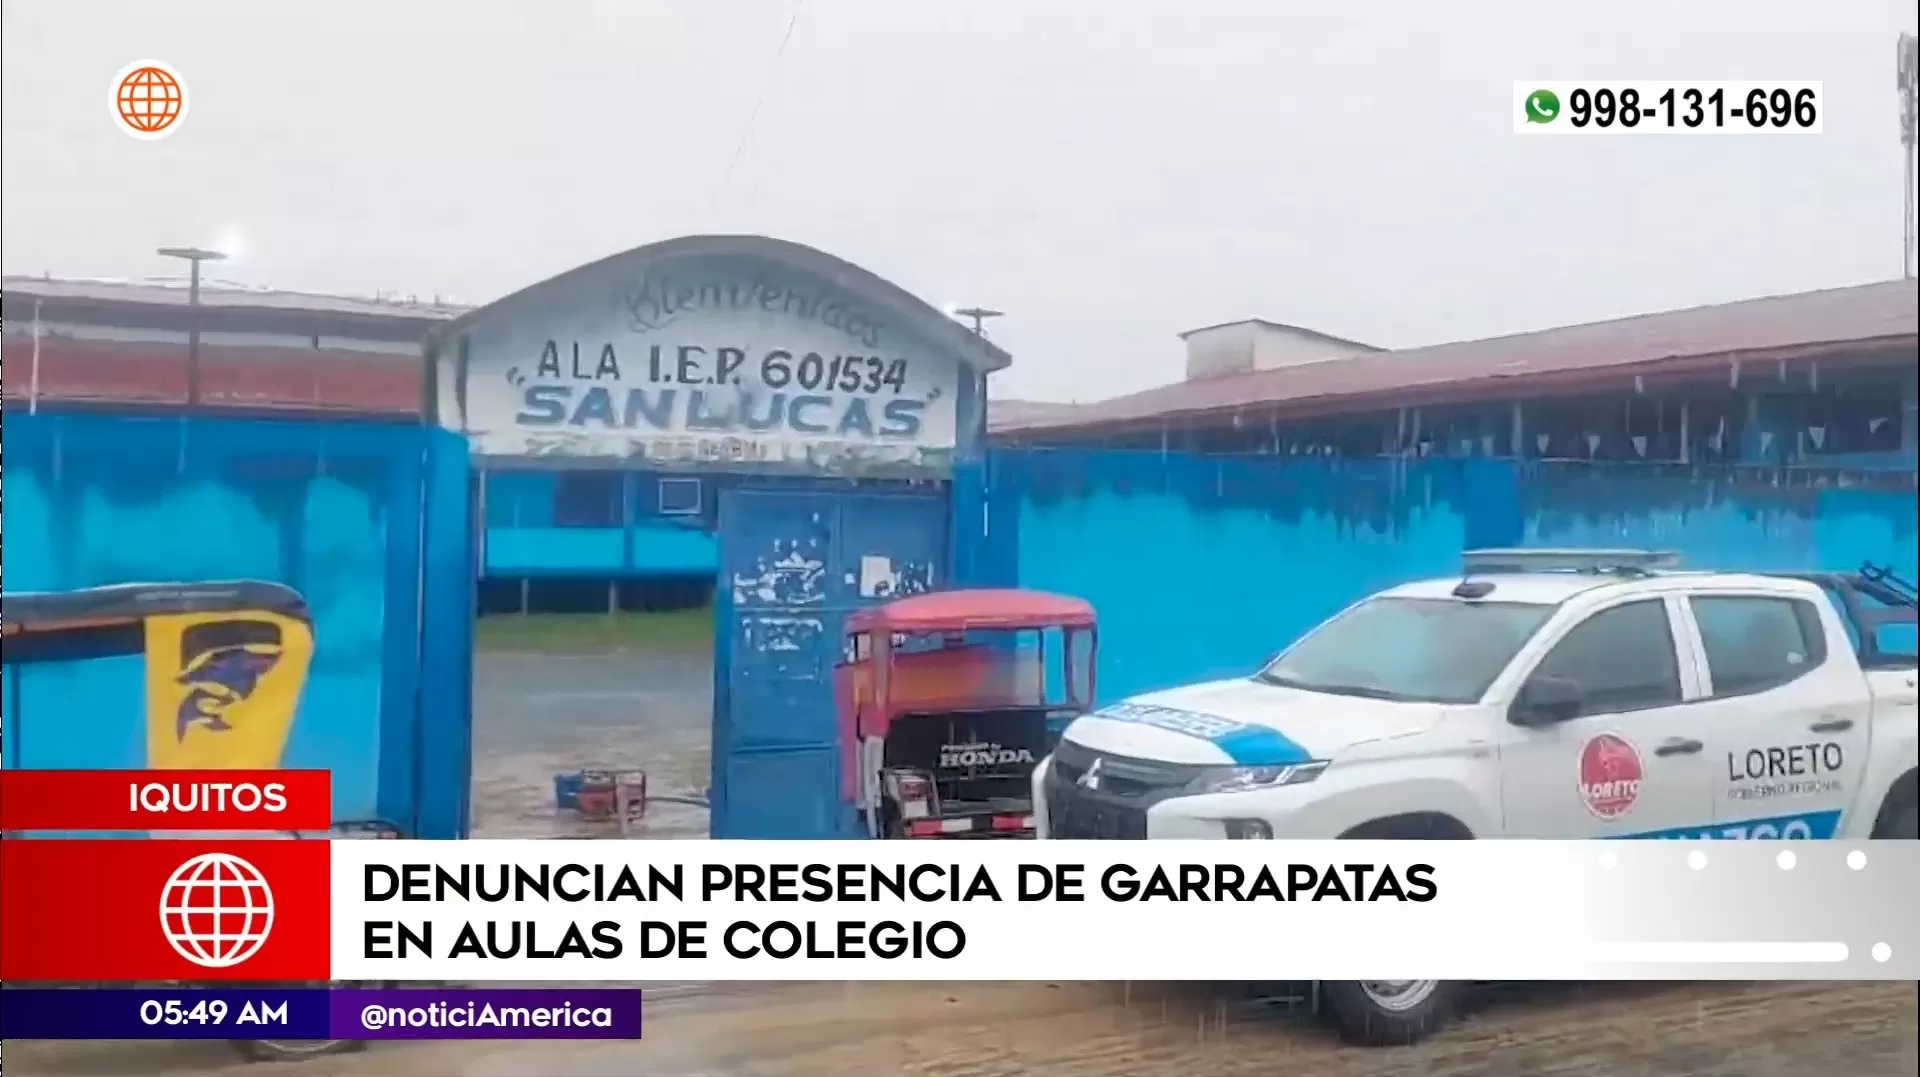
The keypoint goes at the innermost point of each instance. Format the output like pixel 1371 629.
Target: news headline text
pixel 815 883
pixel 852 883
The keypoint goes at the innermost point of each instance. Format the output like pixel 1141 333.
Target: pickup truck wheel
pixel 293 1050
pixel 1394 1013
pixel 1904 824
pixel 1388 1013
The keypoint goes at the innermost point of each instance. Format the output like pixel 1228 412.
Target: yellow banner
pixel 223 688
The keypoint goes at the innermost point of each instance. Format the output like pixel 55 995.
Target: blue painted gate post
pixel 794 561
pixel 449 565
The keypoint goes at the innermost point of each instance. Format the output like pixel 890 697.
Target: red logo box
pixel 146 910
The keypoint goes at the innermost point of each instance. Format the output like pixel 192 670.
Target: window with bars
pixel 588 499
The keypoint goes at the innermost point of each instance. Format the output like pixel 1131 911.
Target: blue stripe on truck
pixel 1817 826
pixel 1246 745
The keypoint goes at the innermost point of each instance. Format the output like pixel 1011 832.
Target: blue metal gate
pixel 793 564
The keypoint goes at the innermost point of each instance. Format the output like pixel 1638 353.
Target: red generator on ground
pixel 948 700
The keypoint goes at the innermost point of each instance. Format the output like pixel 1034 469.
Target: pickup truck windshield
pixel 1429 650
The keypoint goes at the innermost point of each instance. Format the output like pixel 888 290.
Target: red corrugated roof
pixel 1014 413
pixel 1776 327
pixel 172 292
pixel 1004 608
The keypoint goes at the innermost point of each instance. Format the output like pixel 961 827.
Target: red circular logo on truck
pixel 1609 776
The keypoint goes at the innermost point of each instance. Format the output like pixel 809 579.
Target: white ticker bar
pixel 1719 953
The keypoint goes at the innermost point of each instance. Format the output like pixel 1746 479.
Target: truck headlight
pixel 1241 779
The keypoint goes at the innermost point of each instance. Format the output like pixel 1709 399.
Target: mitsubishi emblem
pixel 1091 779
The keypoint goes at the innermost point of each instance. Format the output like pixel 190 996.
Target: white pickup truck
pixel 1539 694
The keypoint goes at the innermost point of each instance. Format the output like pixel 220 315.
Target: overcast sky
pixel 1109 172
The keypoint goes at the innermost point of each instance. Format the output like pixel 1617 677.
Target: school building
pixel 1816 379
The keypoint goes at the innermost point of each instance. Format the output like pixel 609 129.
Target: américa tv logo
pixel 149 99
pixel 216 910
pixel 232 898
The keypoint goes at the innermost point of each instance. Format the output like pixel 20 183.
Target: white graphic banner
pixel 1174 910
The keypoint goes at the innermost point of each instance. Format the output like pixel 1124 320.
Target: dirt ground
pixel 537 714
pixel 1109 1030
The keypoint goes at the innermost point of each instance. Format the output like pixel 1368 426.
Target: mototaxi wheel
pixel 1388 1013
pixel 295 1050
pixel 892 825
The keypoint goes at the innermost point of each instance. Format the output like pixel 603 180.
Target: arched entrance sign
pixel 717 351
pixel 822 411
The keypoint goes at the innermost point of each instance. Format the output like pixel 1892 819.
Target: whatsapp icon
pixel 1543 106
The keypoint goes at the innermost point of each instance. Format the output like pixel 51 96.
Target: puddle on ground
pixel 537 715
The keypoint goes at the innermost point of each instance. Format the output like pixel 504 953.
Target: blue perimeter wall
pixel 1202 566
pixel 369 521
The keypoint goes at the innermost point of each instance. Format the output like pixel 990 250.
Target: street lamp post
pixel 979 316
pixel 193 257
pixel 1908 64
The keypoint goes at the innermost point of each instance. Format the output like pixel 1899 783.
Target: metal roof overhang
pixel 1491 387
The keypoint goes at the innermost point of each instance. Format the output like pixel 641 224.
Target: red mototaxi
pixel 948 701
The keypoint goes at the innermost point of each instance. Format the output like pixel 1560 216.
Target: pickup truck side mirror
pixel 1546 700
